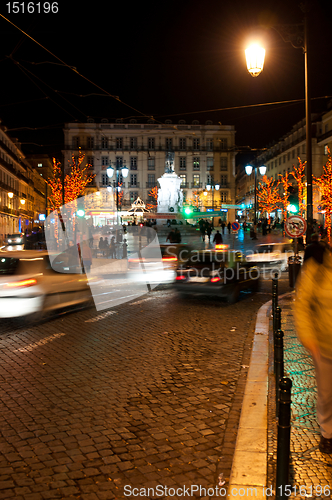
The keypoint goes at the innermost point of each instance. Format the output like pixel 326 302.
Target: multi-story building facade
pixel 202 154
pixel 280 157
pixel 21 196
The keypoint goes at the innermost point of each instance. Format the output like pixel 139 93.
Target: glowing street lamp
pixel 298 37
pixel 255 55
pixel 124 172
pixel 262 171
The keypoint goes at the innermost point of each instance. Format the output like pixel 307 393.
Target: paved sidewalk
pixel 254 463
pixel 309 468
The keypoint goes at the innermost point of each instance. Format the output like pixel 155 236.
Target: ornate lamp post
pixel 262 171
pixel 119 169
pixel 255 62
pixel 211 186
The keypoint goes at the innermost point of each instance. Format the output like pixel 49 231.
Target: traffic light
pixel 293 201
pixel 80 210
pixel 188 210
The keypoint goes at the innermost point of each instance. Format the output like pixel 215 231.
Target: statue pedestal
pixel 170 195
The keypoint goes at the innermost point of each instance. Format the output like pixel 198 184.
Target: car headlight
pixel 9 241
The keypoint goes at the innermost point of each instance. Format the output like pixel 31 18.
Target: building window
pixel 223 196
pixel 183 163
pixel 303 149
pixel 90 161
pixel 209 164
pixel 133 179
pixel 151 143
pixel 223 143
pixel 209 144
pixel 119 161
pixel 293 153
pixel 183 178
pixel 196 180
pixel 169 144
pixel 151 163
pixel 223 164
pixel 151 180
pixel 76 142
pixel 90 143
pixel 223 180
pixel 196 163
pixel 104 161
pixel 133 163
pixel 196 144
pixel 104 179
pixel 279 160
pixel 133 196
pixel 104 143
pixel 326 149
pixel 133 143
pixel 119 143
pixel 183 144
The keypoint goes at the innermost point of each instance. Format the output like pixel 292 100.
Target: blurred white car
pixel 29 285
pixel 272 256
pixel 15 239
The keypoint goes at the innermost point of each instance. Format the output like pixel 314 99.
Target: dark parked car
pixel 221 273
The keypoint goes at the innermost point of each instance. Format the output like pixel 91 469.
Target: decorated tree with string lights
pixel 195 200
pixel 284 199
pixel 153 194
pixel 299 175
pixel 268 196
pixel 75 182
pixel 325 184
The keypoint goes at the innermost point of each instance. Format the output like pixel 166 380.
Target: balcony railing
pixel 151 184
pixel 124 147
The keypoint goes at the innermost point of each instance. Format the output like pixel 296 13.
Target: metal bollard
pixel 278 362
pixel 283 445
pixel 274 297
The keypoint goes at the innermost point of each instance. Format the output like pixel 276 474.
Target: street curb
pixel 249 469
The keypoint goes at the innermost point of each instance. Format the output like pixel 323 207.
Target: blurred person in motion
pixel 86 255
pixel 208 230
pixel 112 248
pixel 313 319
pixel 315 249
pixel 177 236
pixel 217 238
pixel 171 236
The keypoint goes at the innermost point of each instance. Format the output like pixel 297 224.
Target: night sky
pixel 173 60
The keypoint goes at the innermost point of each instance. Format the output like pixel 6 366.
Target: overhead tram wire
pixel 47 85
pixel 73 68
pixel 63 109
pixel 245 106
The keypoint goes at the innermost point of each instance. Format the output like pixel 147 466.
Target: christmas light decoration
pixel 299 175
pixel 74 183
pixel 325 184
pixel 286 184
pixel 268 195
pixel 153 194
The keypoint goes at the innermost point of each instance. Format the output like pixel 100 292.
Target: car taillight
pixel 215 279
pixel 221 246
pixel 21 283
pixel 181 277
pixel 169 259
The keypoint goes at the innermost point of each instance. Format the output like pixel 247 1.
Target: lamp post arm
pixel 292 33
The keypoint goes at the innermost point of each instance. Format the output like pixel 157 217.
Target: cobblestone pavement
pixel 143 394
pixel 309 468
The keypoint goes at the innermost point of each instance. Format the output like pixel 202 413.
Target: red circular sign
pixel 235 226
pixel 295 226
